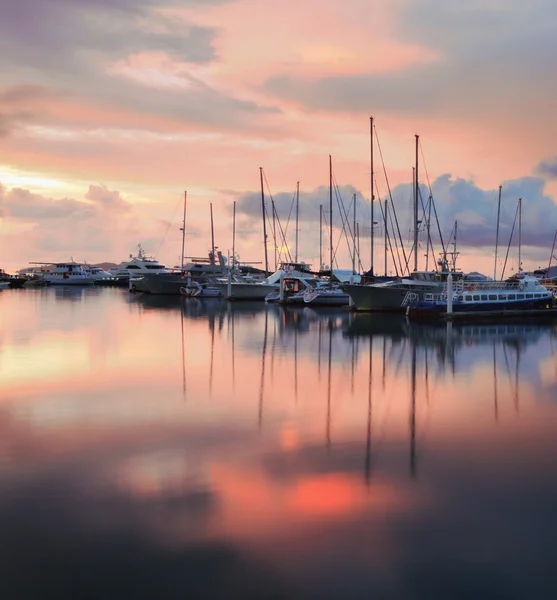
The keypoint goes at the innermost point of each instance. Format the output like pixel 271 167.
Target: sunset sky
pixel 110 109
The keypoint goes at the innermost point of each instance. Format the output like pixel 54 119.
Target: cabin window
pixel 537 295
pixel 476 297
pixel 132 267
pixel 512 296
pixel 529 295
pixel 459 298
pixel 493 296
pixel 502 296
pixel 468 298
pixel 484 297
pixel 154 267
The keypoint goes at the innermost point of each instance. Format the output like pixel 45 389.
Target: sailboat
pixel 396 295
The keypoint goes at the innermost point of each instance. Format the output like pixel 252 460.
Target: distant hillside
pixel 105 266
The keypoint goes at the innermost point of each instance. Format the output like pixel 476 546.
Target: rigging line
pixel 431 194
pixel 345 219
pixel 387 236
pixel 390 196
pixel 429 203
pixel 396 246
pixel 283 235
pixel 275 214
pixel 426 225
pixel 168 227
pixel 343 231
pixel 425 167
pixel 290 213
pixel 391 247
pixel 510 241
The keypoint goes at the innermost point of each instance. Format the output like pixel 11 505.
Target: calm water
pixel 162 448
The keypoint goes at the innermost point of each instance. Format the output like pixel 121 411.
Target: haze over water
pixel 165 448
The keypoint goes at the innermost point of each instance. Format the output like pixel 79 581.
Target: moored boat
pixel 521 293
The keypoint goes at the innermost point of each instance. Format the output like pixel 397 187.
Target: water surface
pixel 162 448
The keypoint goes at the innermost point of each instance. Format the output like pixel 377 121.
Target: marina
pixel 278 300
pixel 159 424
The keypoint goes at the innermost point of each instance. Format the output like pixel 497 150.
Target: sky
pixel 111 109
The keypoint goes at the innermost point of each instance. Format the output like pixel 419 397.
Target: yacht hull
pixel 245 291
pixel 161 283
pixel 379 298
pixel 329 300
pixel 68 281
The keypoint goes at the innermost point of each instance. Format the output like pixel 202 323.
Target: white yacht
pixel 137 266
pixel 67 273
pixel 97 275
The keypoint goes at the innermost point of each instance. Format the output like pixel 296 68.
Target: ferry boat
pixel 516 293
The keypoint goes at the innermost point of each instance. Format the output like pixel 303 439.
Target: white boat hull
pixel 245 291
pixel 67 281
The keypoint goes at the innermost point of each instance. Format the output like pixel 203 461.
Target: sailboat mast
pixel 519 235
pixel 454 244
pixel 416 202
pixel 297 217
pixel 354 239
pixel 320 236
pixel 551 255
pixel 372 234
pixel 183 233
pixel 212 235
pixel 234 235
pixel 274 231
pixel 331 213
pixel 497 233
pixel 264 225
pixel 386 208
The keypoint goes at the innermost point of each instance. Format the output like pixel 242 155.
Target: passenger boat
pixel 194 289
pixel 516 293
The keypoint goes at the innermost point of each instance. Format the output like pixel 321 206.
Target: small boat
pixel 11 281
pixel 200 290
pixel 326 296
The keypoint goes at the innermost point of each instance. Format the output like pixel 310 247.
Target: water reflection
pixel 252 451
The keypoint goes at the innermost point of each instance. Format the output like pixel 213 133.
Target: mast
pixel 358 244
pixel 297 216
pixel 354 239
pixel 386 205
pixel 551 255
pixel 183 228
pixel 331 213
pixel 519 235
pixel 320 236
pixel 212 235
pixel 416 202
pixel 274 231
pixel 264 225
pixel 454 244
pixel 234 235
pixel 372 194
pixel 497 233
